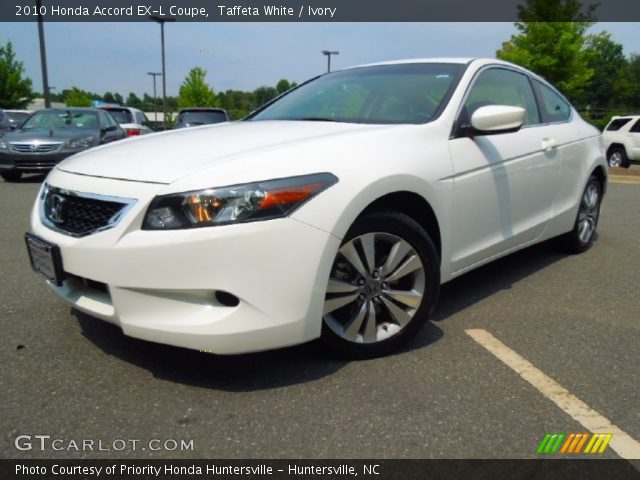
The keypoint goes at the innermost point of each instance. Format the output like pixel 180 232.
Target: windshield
pixel 121 115
pixel 61 119
pixel 404 93
pixel 200 118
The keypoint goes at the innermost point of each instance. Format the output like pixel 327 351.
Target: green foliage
pixel 109 98
pixel 134 101
pixel 262 95
pixel 555 11
pixel 15 91
pixel 553 50
pixel 195 92
pixel 283 85
pixel 77 98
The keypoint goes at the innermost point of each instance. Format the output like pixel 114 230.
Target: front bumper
pixel 31 162
pixel 161 286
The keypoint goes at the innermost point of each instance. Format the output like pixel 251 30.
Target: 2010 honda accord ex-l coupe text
pixel 334 212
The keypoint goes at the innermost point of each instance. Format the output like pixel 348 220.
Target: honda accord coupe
pixel 335 212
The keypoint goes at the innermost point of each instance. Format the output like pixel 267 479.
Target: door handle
pixel 548 144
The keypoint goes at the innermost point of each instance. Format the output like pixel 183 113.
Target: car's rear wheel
pixel 583 235
pixel 383 284
pixel 618 158
pixel 11 176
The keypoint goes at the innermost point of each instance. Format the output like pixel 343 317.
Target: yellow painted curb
pixel 623 179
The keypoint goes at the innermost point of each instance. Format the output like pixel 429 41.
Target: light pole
pixel 43 57
pixel 162 21
pixel 328 53
pixel 155 104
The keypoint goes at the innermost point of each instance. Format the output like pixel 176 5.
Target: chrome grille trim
pixel 92 198
pixel 35 147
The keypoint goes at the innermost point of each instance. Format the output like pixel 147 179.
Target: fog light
pixel 227 299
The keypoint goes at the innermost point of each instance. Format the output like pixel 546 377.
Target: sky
pixel 116 57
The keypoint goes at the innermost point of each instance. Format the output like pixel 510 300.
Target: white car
pixel 622 141
pixel 335 212
pixel 133 121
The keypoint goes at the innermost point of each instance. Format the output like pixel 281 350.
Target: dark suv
pixel 192 117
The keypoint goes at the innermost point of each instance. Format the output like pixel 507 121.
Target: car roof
pixel 458 60
pixel 118 107
pixel 202 109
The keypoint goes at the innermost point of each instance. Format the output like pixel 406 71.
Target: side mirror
pixel 494 119
pixel 110 128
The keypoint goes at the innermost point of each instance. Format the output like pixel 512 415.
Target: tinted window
pixel 121 115
pixel 617 124
pixel 405 93
pixel 61 119
pixel 194 118
pixel 553 107
pixel 636 127
pixel 498 86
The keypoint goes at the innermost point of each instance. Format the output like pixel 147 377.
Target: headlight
pixel 85 142
pixel 236 204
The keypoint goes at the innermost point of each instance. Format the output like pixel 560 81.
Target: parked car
pixel 133 121
pixel 49 136
pixel 622 141
pixel 16 117
pixel 5 123
pixel 192 117
pixel 334 212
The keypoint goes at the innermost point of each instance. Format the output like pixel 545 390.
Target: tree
pixel 109 98
pixel 264 94
pixel 553 49
pixel 282 86
pixel 134 101
pixel 195 92
pixel 77 98
pixel 15 91
pixel 610 84
pixel 117 98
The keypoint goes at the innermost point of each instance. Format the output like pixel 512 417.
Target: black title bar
pixel 294 10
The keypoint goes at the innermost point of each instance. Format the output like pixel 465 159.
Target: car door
pixel 504 184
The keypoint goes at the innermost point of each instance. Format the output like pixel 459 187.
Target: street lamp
pixel 328 53
pixel 43 57
pixel 162 21
pixel 155 104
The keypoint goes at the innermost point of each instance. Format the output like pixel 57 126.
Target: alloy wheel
pixel 376 286
pixel 615 159
pixel 588 213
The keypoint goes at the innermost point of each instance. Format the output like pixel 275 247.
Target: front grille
pixel 80 214
pixel 27 164
pixel 35 147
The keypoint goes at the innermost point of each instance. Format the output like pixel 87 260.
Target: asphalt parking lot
pixel 575 318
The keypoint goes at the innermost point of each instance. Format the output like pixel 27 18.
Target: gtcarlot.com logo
pixel 574 443
pixel 50 443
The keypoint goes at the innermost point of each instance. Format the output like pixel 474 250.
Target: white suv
pixel 133 121
pixel 622 141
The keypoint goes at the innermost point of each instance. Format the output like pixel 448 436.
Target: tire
pixel 582 237
pixel 383 285
pixel 618 158
pixel 11 176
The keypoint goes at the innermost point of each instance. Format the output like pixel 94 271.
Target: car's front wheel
pixel 384 282
pixel 618 158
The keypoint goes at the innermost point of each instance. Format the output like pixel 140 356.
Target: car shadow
pixel 303 363
pixel 501 274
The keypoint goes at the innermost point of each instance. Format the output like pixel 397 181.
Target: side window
pixel 499 86
pixel 107 119
pixel 552 106
pixel 617 124
pixel 636 127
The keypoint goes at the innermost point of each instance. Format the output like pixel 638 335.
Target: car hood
pixel 46 135
pixel 168 156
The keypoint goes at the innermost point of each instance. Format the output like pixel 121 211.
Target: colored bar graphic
pixel 574 442
pixel 550 443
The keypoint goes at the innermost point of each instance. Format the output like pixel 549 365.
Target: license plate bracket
pixel 45 258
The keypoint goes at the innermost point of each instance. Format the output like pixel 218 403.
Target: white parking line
pixel 625 446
